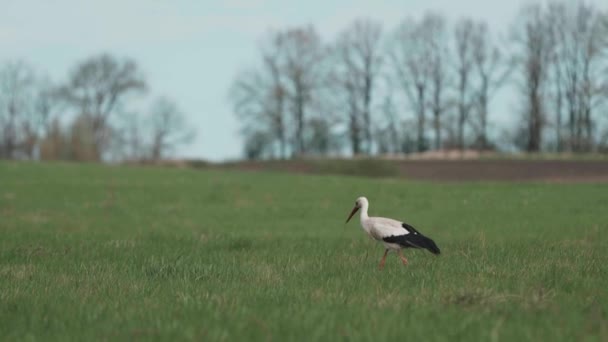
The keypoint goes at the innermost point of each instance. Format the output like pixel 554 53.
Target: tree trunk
pixel 437 124
pixel 10 143
pixel 534 128
pixel 462 110
pixel 421 145
pixel 586 106
pixel 281 127
pixel 483 104
pixel 299 148
pixel 354 136
pixel 366 111
pixel 437 114
pixel 558 121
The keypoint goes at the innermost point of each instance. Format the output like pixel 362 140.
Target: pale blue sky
pixel 191 50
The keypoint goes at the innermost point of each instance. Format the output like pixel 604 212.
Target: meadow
pixel 91 252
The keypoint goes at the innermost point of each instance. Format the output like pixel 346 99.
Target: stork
pixel 395 235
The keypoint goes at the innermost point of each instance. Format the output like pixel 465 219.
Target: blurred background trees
pixel 88 117
pixel 95 91
pixel 430 84
pixel 427 84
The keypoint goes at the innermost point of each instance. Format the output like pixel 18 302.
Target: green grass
pixel 120 253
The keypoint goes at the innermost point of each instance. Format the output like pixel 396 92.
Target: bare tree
pixel 129 141
pixel 45 108
pixel 277 95
pixel 557 21
pixel 359 47
pixel 96 88
pixel 592 33
pixel 47 104
pixel 320 140
pixel 409 57
pixel 355 68
pixel 259 100
pixel 17 81
pixel 303 54
pixel 343 85
pixel 282 84
pixel 566 45
pixel 532 42
pixel 567 63
pixel 168 128
pixel 492 70
pixel 253 102
pixel 464 60
pixel 389 138
pixel 435 27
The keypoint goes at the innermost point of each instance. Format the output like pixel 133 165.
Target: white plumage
pixel 394 235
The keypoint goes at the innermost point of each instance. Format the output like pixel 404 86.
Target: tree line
pixel 86 117
pixel 428 84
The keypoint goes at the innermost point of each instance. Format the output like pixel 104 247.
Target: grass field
pixel 124 253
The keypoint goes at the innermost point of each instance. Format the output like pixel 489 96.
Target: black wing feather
pixel 413 239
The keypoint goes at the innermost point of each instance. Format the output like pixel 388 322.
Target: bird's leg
pixel 381 266
pixel 403 259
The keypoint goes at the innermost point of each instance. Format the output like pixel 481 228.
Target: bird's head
pixel 359 203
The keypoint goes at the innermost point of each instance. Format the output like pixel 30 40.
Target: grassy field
pixel 124 253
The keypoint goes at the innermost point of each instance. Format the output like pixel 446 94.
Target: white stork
pixel 395 235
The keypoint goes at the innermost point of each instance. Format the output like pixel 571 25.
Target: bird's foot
pixel 383 260
pixel 404 261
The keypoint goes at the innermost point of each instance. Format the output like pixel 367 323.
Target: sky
pixel 191 51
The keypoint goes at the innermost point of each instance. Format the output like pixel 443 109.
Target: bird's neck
pixel 365 224
pixel 363 214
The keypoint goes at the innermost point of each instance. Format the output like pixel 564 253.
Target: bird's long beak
pixel 352 213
